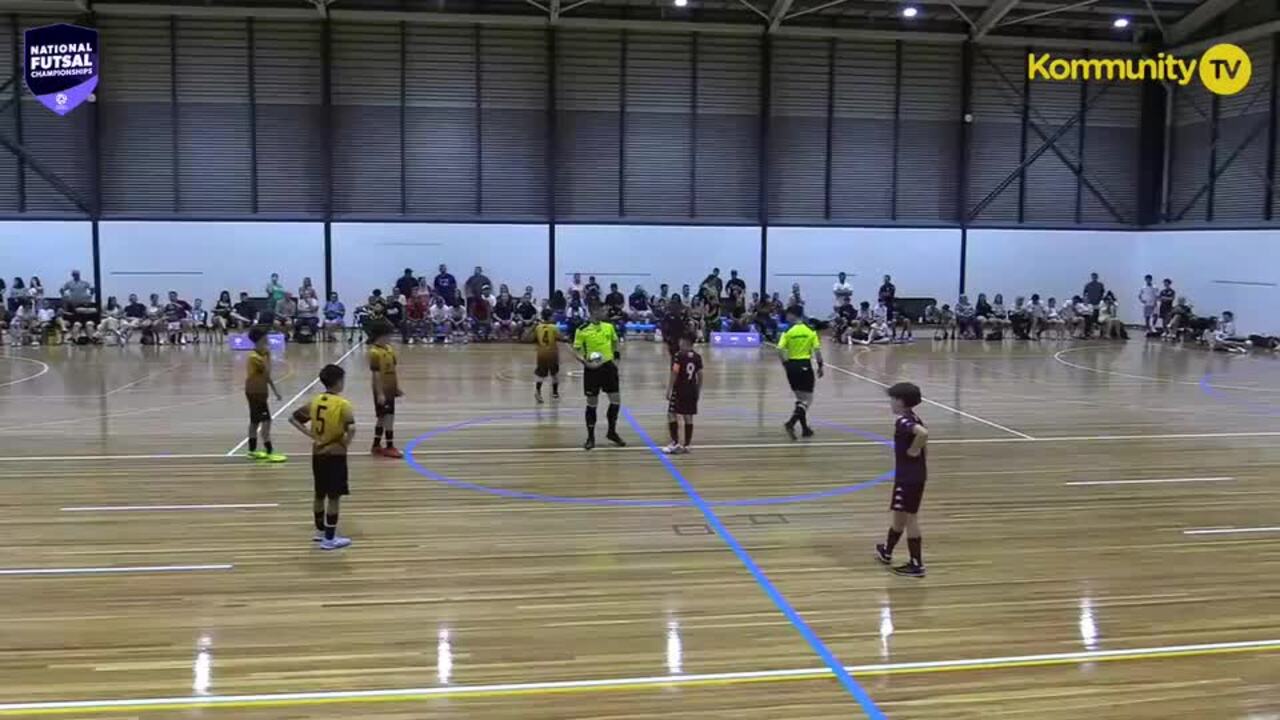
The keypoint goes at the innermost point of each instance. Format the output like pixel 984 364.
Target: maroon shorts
pixel 907 495
pixel 683 404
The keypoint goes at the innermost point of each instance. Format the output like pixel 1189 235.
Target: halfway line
pixel 779 600
pixel 1230 531
pixel 113 570
pixel 294 399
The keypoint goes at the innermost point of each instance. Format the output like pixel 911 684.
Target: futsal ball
pixel 595 357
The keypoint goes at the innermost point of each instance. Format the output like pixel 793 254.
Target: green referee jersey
pixel 597 337
pixel 799 342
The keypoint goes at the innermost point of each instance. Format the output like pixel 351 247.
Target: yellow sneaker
pixel 256 455
pixel 275 458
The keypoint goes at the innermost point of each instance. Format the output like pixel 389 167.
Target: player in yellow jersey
pixel 331 424
pixel 256 383
pixel 799 346
pixel 386 388
pixel 547 337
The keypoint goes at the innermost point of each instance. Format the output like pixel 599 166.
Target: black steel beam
pixel 1080 140
pixel 479 91
pixel 693 128
pixel 1153 101
pixel 962 141
pixel 897 119
pixel 1215 112
pixel 51 177
pixel 404 172
pixel 831 119
pixel 622 127
pixel 1022 141
pixel 173 114
pixel 551 140
pixel 1268 201
pixel 1215 172
pixel 326 114
pixel 250 36
pixel 16 101
pixel 762 160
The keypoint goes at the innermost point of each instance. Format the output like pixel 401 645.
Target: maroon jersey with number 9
pixel 686 366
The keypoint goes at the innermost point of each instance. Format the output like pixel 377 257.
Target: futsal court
pixel 1100 529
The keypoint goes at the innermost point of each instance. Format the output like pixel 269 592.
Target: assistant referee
pixel 799 346
pixel 600 374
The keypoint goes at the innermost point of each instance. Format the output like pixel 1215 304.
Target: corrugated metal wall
pixel 234 118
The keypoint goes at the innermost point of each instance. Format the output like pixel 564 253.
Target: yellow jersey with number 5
pixel 327 417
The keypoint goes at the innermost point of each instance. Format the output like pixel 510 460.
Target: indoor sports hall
pixel 548 359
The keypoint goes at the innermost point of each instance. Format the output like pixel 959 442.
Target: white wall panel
pixel 374 255
pixel 48 250
pixel 923 262
pixel 201 259
pixel 652 255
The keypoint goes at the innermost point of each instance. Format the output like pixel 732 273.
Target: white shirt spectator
pixel 1147 296
pixel 841 290
pixel 46 315
pixel 1226 330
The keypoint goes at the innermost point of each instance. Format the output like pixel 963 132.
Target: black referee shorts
pixel 602 379
pixel 330 473
pixel 800 375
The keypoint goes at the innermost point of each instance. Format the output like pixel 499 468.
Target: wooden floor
pixel 1102 528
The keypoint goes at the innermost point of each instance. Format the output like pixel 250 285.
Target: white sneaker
pixel 337 543
pixel 671 449
pixel 682 450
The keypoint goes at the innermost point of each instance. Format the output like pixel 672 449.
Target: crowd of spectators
pixel 442 310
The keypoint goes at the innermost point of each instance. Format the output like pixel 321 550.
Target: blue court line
pixel 864 700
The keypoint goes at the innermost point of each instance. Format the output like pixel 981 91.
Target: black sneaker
pixel 590 444
pixel 791 430
pixel 616 439
pixel 883 555
pixel 807 432
pixel 909 570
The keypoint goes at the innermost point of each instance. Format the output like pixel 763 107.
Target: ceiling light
pixel 1121 22
pixel 681 3
pixel 910 12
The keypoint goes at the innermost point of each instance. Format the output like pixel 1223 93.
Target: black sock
pixel 267 446
pixel 319 520
pixel 555 388
pixel 537 387
pixel 390 438
pixel 688 433
pixel 892 539
pixel 674 426
pixel 917 553
pixel 591 421
pixel 612 415
pixel 330 526
pixel 377 436
pixel 803 415
pixel 253 444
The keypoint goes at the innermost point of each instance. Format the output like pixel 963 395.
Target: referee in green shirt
pixel 799 346
pixel 596 346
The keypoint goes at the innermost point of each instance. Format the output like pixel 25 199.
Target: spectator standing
pixel 1094 291
pixel 446 285
pixel 714 282
pixel 407 283
pixel 17 293
pixel 476 284
pixel 841 291
pixel 1149 297
pixel 735 283
pixel 275 291
pixel 888 296
pixel 1167 295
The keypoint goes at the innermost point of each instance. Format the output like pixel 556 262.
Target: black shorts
pixel 547 367
pixel 683 403
pixel 330 473
pixel 602 379
pixel 800 375
pixel 386 408
pixel 907 496
pixel 259 411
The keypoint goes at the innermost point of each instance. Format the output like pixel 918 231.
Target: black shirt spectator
pixel 135 310
pixel 888 292
pixel 505 308
pixel 477 283
pixel 615 299
pixel 714 282
pixel 526 310
pixel 446 286
pixel 1094 290
pixel 393 311
pixel 591 291
pixel 407 284
pixel 735 283
pixel 639 301
pixel 558 303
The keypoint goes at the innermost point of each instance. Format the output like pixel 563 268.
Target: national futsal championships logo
pixel 1224 69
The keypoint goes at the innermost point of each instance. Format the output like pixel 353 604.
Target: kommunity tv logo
pixel 1223 69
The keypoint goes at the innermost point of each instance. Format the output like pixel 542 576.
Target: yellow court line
pixel 625 684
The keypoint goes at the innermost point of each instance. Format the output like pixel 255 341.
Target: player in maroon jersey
pixel 683 389
pixel 909 475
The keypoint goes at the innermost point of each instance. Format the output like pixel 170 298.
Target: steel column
pixel 253 116
pixel 1215 109
pixel 831 113
pixel 551 140
pixel 173 114
pixel 693 130
pixel 622 127
pixel 762 160
pixel 1084 117
pixel 897 119
pixel 1022 141
pixel 479 90
pixel 15 85
pixel 962 166
pixel 404 172
pixel 1269 197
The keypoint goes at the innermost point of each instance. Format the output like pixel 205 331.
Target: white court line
pixel 294 399
pixel 935 403
pixel 44 368
pixel 148 376
pixel 1230 531
pixel 1057 357
pixel 1153 481
pixel 113 570
pixel 145 508
pixel 419 693
pixel 737 446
